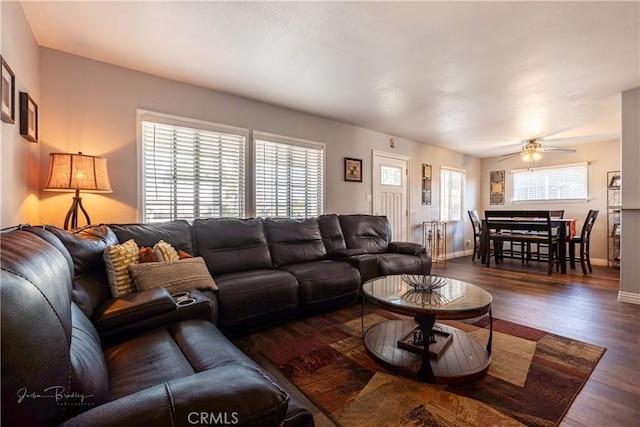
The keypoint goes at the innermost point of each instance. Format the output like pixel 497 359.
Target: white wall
pixel 90 106
pixel 602 157
pixel 20 165
pixel 630 188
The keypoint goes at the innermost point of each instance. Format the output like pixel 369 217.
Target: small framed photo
pixel 28 117
pixel 352 169
pixel 617 229
pixel 8 93
pixel 615 181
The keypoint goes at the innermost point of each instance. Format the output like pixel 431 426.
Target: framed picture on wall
pixel 426 184
pixel 8 93
pixel 615 181
pixel 352 169
pixel 28 117
pixel 496 187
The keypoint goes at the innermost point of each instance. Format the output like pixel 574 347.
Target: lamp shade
pixel 78 172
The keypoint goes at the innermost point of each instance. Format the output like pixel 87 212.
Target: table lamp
pixel 69 172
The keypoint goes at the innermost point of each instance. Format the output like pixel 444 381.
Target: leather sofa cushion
pixel 372 233
pixel 36 327
pixel 86 247
pixel 89 375
pixel 255 299
pixel 322 282
pixel 230 245
pixel 332 235
pixel 168 353
pixel 177 233
pixel 91 290
pixel 294 241
pixel 389 264
pixel 244 394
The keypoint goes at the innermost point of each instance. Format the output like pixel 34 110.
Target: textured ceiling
pixel 474 77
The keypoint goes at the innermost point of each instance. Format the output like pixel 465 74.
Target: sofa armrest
pixel 230 394
pixel 133 307
pixel 199 305
pixel 342 253
pixel 408 248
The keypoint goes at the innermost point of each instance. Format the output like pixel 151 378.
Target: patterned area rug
pixel 533 378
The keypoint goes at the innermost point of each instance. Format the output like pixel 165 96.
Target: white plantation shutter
pixel 289 177
pixel 190 170
pixel 564 182
pixel 452 183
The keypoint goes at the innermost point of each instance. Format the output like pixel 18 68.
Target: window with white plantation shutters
pixel 563 182
pixel 289 176
pixel 452 182
pixel 191 169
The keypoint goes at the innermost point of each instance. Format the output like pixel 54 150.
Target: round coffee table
pixel 452 355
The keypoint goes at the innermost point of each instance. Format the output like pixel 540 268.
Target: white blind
pixel 289 178
pixel 191 173
pixel 565 182
pixel 452 183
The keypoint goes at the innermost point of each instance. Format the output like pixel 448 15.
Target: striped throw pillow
pixel 116 259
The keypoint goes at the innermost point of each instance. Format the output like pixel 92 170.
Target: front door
pixel 390 192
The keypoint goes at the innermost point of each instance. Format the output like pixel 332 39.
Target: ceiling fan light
pixel 536 155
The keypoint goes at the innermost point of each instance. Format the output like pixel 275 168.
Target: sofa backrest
pixel 294 241
pixel 332 235
pixel 230 245
pixel 177 233
pixel 86 247
pixel 368 232
pixel 49 347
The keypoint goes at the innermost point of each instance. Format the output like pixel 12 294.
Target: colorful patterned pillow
pixel 147 255
pixel 184 255
pixel 116 259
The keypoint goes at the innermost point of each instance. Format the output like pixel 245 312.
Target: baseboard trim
pixel 629 297
pixel 599 261
pixel 467 252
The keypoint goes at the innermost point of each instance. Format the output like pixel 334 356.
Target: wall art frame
pixel 8 93
pixel 496 187
pixel 352 169
pixel 426 184
pixel 28 117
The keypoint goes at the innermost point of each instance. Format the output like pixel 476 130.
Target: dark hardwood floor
pixel 582 307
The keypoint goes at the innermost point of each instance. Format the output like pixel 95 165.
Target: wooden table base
pixel 464 358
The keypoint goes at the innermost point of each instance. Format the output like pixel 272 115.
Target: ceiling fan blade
pixel 556 149
pixel 509 156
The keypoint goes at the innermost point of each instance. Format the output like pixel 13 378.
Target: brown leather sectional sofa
pixel 73 355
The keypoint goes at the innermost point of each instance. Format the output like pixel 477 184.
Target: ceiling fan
pixel 532 150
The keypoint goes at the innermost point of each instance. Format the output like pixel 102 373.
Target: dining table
pixel 566 231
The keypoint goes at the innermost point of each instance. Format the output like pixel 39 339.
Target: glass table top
pixel 454 299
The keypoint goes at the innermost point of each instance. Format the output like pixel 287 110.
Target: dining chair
pixel 583 241
pixel 511 227
pixel 477 234
pixel 537 252
pixel 557 214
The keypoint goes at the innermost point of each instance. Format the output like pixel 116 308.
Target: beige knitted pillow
pixel 165 252
pixel 116 259
pixel 176 276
